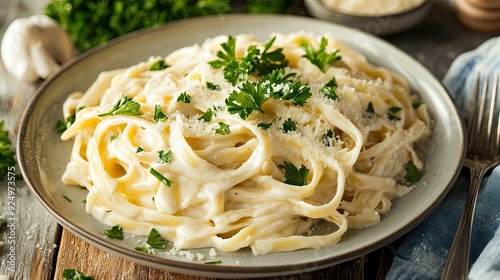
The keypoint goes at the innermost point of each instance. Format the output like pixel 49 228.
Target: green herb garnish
pixel 320 57
pixel 269 61
pixel 207 116
pixel 125 106
pixel 61 126
pixel 370 108
pixel 159 115
pixel 160 177
pixel 212 86
pixel 229 62
pixel 139 149
pixel 330 89
pixel 281 87
pixel 115 232
pixel 165 157
pixel 327 137
pixel 158 65
pixel 184 98
pixel 155 240
pixel 293 175
pixel 413 175
pixel 254 62
pixel 223 129
pixel 248 98
pixel 392 111
pixel 265 125
pixel 73 274
pixel 289 125
pixel 67 199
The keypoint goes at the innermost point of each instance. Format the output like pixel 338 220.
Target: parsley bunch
pixel 7 155
pixel 254 62
pixel 250 96
pixel 90 23
pixel 320 57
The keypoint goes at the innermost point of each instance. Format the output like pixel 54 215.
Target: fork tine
pixel 494 118
pixel 470 111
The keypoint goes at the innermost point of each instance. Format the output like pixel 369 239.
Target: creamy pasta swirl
pixel 225 177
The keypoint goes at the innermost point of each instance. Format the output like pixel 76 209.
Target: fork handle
pixel 457 265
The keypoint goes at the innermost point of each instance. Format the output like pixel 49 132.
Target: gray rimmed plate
pixel 43 156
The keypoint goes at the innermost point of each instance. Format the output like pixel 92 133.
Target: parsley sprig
pixel 282 87
pixel 247 99
pixel 115 232
pixel 320 57
pixel 125 106
pixel 254 62
pixel 250 96
pixel 155 240
pixel 293 175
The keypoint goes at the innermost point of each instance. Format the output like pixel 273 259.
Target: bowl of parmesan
pixel 379 17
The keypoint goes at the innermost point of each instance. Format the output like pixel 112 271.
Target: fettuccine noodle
pixel 229 190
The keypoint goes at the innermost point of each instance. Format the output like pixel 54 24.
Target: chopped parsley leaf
pixel 67 199
pixel 248 98
pixel 158 65
pixel 139 149
pixel 164 157
pixel 281 87
pixel 265 125
pixel 370 108
pixel 115 232
pixel 73 274
pixel 327 136
pixel 330 89
pixel 155 240
pixel 159 115
pixel 293 175
pixel 223 129
pixel 184 98
pixel 413 175
pixel 207 116
pixel 61 126
pixel 125 106
pixel 212 86
pixel 160 177
pixel 320 57
pixel 289 125
pixel 392 111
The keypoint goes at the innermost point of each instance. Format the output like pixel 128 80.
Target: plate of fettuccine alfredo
pixel 241 145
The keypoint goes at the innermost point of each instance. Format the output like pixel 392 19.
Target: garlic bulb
pixel 34 47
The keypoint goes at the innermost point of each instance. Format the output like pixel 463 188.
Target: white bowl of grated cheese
pixel 380 17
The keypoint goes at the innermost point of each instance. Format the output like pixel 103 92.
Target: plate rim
pixel 221 270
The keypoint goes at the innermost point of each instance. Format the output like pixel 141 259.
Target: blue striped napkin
pixel 423 251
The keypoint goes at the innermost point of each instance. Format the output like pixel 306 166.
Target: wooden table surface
pixel 43 248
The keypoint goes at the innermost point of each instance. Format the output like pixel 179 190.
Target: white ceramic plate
pixel 43 156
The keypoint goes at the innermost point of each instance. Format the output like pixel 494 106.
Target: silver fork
pixel 483 153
